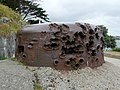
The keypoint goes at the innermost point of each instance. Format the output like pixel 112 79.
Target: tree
pixel 109 41
pixel 28 9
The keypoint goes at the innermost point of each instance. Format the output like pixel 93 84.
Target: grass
pixel 116 49
pixel 13 25
pixel 112 54
pixel 37 86
pixel 3 58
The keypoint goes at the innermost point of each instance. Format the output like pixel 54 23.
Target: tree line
pixel 28 9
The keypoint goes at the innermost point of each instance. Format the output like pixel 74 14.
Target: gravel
pixel 106 77
pixel 14 76
pixel 17 77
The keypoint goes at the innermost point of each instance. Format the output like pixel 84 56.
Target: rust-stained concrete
pixel 62 46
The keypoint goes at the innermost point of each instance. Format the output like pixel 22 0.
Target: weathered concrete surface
pixel 7 46
pixel 14 76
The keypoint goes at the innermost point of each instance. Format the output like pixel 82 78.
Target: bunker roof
pixel 46 27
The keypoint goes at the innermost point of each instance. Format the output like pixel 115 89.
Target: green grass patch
pixel 3 58
pixel 116 49
pixel 37 86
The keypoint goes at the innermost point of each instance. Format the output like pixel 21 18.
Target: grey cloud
pixel 106 12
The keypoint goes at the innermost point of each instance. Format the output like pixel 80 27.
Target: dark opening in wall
pixel 76 34
pixel 81 34
pixel 93 53
pixel 77 65
pixel 54 45
pixel 56 62
pixel 91 31
pixel 67 63
pixel 91 43
pixel 96 29
pixel 83 27
pixel 81 61
pixel 97 36
pixel 91 38
pixel 20 49
pixel 98 47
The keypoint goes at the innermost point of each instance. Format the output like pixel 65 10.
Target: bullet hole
pixel 78 46
pixel 57 34
pixel 31 43
pixel 91 38
pixel 96 29
pixel 68 37
pixel 24 55
pixel 91 43
pixel 87 44
pixel 91 31
pixel 72 59
pixel 97 59
pixel 54 45
pixel 62 55
pixel 81 60
pixel 67 63
pixel 81 34
pixel 20 49
pixel 97 36
pixel 70 51
pixel 98 47
pixel 76 34
pixel 64 38
pixel 83 27
pixel 102 39
pixel 56 62
pixel 47 45
pixel 77 65
pixel 68 80
pixel 70 42
pixel 54 39
pixel 80 52
pixel 101 47
pixel 65 26
pixel 93 53
pixel 35 39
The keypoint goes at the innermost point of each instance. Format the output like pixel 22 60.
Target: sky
pixel 98 12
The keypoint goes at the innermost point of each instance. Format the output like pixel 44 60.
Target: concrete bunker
pixel 61 46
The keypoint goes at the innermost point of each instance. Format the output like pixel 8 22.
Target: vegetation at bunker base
pixel 9 21
pixel 37 86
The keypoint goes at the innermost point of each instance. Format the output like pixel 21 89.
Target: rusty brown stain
pixel 61 46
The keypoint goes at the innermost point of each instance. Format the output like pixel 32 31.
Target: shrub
pixel 3 58
pixel 116 49
pixel 9 21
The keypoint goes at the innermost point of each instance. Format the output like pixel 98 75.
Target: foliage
pixel 9 20
pixel 109 41
pixel 116 49
pixel 28 9
pixel 37 86
pixel 3 58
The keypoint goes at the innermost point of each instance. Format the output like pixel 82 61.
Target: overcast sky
pixel 105 12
